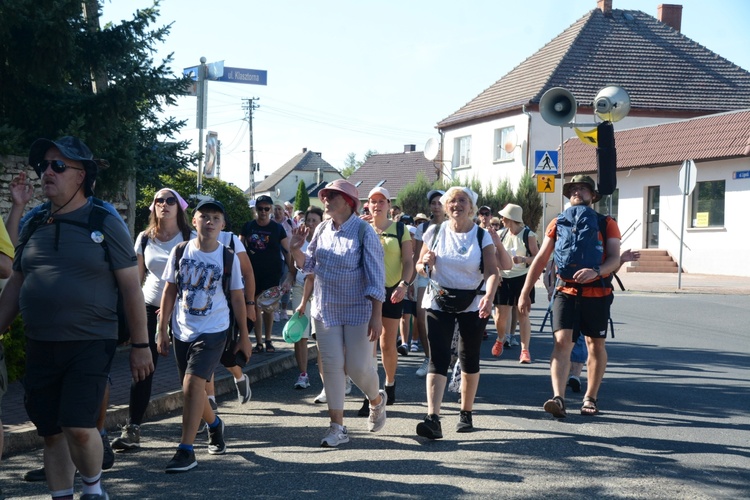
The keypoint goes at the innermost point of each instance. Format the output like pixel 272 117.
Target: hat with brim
pixel 512 212
pixel 433 193
pixel 582 179
pixel 420 217
pixel 295 328
pixel 216 205
pixel 344 187
pixel 73 149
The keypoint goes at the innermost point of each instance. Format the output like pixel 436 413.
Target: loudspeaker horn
pixel 612 104
pixel 557 106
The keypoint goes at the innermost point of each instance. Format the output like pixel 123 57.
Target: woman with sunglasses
pixel 167 226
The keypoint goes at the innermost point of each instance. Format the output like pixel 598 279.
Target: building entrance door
pixel 652 217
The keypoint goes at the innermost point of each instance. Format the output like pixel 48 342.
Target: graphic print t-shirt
pixel 263 245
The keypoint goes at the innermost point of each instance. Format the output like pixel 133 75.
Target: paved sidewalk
pixel 20 434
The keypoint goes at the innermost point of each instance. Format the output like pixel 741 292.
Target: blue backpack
pixel 578 245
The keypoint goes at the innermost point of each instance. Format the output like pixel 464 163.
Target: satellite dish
pixel 278 192
pixel 431 149
pixel 511 142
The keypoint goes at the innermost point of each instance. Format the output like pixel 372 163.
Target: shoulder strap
pixel 179 251
pixel 525 237
pixel 480 238
pixel 96 223
pixel 361 235
pixel 144 243
pixel 32 224
pixel 226 276
pixel 399 232
pixel 503 233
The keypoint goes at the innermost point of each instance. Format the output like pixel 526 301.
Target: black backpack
pixel 228 357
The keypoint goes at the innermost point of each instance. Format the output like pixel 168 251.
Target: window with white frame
pixel 462 152
pixel 503 136
pixel 707 204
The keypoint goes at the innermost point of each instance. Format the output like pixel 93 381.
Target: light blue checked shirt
pixel 346 272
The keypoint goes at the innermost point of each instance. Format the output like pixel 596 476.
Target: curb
pixel 23 439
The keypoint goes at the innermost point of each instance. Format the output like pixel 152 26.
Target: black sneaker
pixel 95 496
pixel 403 349
pixel 430 428
pixel 390 390
pixel 464 422
pixel 244 393
pixel 35 476
pixel 182 461
pixel 213 404
pixel 365 410
pixel 130 438
pixel 216 444
pixel 108 459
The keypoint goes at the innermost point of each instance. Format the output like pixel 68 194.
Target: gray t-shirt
pixel 69 291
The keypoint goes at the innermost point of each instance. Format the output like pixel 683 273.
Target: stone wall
pixel 11 166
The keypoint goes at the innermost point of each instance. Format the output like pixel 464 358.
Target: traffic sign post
pixel 216 71
pixel 545 184
pixel 545 162
pixel 686 182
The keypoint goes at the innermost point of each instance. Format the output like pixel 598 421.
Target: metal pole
pixel 685 188
pixel 562 176
pixel 250 106
pixel 202 111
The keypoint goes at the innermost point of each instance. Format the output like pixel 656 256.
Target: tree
pixel 54 62
pixel 350 165
pixel 302 199
pixel 184 182
pixel 530 200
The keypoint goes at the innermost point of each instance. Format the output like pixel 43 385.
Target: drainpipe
pixel 528 139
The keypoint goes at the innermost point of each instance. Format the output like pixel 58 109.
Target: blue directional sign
pixel 242 75
pixel 545 162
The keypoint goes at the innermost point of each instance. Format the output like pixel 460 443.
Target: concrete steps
pixel 653 260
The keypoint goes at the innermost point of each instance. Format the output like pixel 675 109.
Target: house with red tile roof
pixel 668 77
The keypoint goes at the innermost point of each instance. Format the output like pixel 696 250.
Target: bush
pixel 14 342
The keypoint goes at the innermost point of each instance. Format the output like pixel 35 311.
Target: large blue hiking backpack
pixel 577 245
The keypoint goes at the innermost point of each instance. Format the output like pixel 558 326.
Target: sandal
pixel 270 347
pixel 589 407
pixel 258 349
pixel 556 406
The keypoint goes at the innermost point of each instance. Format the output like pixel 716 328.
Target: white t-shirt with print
pixel 201 306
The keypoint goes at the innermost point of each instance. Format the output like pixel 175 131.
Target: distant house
pixel 393 171
pixel 649 202
pixel 667 75
pixel 307 166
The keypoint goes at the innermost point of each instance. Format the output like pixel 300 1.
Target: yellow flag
pixel 588 137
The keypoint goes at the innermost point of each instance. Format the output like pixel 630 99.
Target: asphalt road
pixel 674 424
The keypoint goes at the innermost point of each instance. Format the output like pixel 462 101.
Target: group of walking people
pixel 186 288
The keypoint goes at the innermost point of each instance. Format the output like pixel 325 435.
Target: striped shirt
pixel 346 272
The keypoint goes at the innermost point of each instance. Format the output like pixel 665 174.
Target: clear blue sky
pixel 351 76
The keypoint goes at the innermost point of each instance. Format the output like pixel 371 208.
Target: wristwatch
pixel 407 285
pixel 598 272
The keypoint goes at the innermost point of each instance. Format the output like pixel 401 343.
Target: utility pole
pixel 249 105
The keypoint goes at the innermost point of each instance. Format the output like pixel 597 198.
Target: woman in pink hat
pixel 349 289
pixel 399 270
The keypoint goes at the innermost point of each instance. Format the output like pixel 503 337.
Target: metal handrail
pixel 624 235
pixel 676 235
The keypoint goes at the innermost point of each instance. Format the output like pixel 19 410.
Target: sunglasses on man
pixel 264 208
pixel 58 166
pixel 484 214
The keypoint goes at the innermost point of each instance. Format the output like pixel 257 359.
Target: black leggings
pixel 440 328
pixel 140 392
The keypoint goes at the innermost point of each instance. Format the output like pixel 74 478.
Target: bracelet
pixel 140 346
pixel 250 302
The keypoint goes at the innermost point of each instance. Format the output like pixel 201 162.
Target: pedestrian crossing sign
pixel 545 183
pixel 545 162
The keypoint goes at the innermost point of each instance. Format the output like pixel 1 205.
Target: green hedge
pixel 14 341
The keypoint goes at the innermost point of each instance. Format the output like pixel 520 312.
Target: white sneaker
pixel 283 315
pixel 335 436
pixel 348 387
pixel 321 398
pixel 414 347
pixel 376 420
pixel 422 370
pixel 244 393
pixel 303 382
pixel 513 341
pixel 276 317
